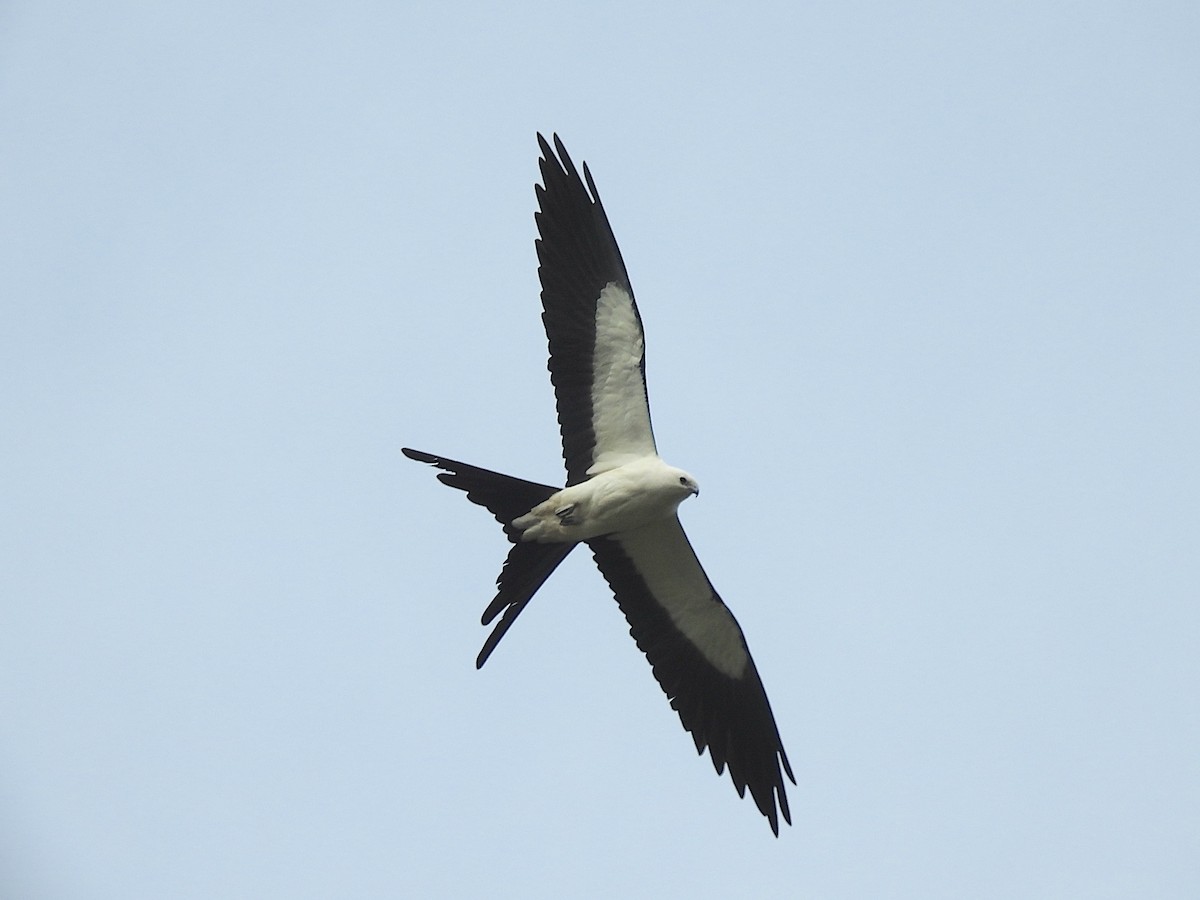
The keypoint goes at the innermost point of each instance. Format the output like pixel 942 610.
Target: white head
pixel 684 483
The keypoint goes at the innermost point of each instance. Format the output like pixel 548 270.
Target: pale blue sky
pixel 921 286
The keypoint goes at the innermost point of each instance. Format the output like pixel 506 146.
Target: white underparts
pixel 632 495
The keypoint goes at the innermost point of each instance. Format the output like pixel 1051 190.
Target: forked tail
pixel 528 564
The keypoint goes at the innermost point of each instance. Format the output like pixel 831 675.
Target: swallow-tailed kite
pixel 621 498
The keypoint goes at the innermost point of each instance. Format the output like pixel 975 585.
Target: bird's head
pixel 686 484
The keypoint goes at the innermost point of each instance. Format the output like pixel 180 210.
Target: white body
pixel 623 498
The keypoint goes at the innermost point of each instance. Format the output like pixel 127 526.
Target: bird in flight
pixel 621 498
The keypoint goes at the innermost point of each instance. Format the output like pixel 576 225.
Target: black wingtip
pixel 787 768
pixel 556 156
pixel 418 455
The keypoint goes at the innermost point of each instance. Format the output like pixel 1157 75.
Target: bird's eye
pixel 683 481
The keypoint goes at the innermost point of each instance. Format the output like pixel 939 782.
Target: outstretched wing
pixel 597 350
pixel 699 657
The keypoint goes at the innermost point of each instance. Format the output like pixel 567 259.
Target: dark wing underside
pixel 597 361
pixel 708 675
